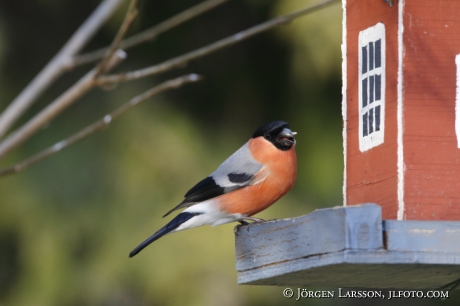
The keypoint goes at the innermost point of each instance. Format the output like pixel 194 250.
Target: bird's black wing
pixel 208 189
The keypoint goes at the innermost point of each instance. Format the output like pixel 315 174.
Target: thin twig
pixel 53 109
pixel 100 124
pixel 111 59
pixel 44 116
pixel 57 65
pixel 183 59
pixel 151 33
pixel 130 16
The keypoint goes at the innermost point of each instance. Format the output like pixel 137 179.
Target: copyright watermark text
pixel 302 293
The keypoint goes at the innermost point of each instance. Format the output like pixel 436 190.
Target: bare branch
pixel 151 33
pixel 57 65
pixel 87 82
pixel 44 116
pixel 100 124
pixel 183 59
pixel 53 109
pixel 131 15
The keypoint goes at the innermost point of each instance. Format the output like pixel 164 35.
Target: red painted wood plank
pixel 431 156
pixel 372 176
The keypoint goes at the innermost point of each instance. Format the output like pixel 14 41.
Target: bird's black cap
pixel 273 127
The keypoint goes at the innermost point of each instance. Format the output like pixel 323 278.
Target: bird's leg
pixel 243 222
pixel 255 220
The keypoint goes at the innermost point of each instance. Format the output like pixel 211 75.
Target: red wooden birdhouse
pixel 400 96
pixel 401 113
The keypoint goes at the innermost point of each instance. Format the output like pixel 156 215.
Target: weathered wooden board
pixel 358 269
pixel 340 228
pixel 349 247
pixel 422 236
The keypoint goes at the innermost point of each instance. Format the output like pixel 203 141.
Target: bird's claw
pixel 243 222
pixel 253 219
pixel 237 227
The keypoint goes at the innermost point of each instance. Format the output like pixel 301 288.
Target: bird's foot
pixel 242 222
pixel 253 219
pixel 237 227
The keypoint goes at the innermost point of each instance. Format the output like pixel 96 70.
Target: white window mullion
pixel 372 72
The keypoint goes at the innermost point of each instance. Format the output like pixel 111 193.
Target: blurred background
pixel 68 223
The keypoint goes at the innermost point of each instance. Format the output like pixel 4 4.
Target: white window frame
pixel 367 38
pixel 457 101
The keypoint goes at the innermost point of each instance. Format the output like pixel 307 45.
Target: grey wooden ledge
pixel 349 247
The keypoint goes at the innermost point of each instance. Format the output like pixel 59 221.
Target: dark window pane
pixel 377 118
pixel 371 121
pixel 378 53
pixel 364 57
pixel 371 89
pixel 371 56
pixel 365 124
pixel 364 93
pixel 378 87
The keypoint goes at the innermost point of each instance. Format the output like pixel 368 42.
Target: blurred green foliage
pixel 68 223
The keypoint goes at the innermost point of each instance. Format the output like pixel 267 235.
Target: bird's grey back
pixel 238 169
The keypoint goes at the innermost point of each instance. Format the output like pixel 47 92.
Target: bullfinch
pixel 250 180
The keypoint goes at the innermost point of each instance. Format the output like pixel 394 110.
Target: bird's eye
pixel 267 136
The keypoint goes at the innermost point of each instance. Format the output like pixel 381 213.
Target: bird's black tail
pixel 172 225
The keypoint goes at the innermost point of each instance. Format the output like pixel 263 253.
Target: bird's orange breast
pixel 280 169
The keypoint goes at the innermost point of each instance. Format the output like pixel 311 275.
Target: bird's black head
pixel 278 133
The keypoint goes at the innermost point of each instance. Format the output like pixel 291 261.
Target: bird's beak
pixel 286 135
